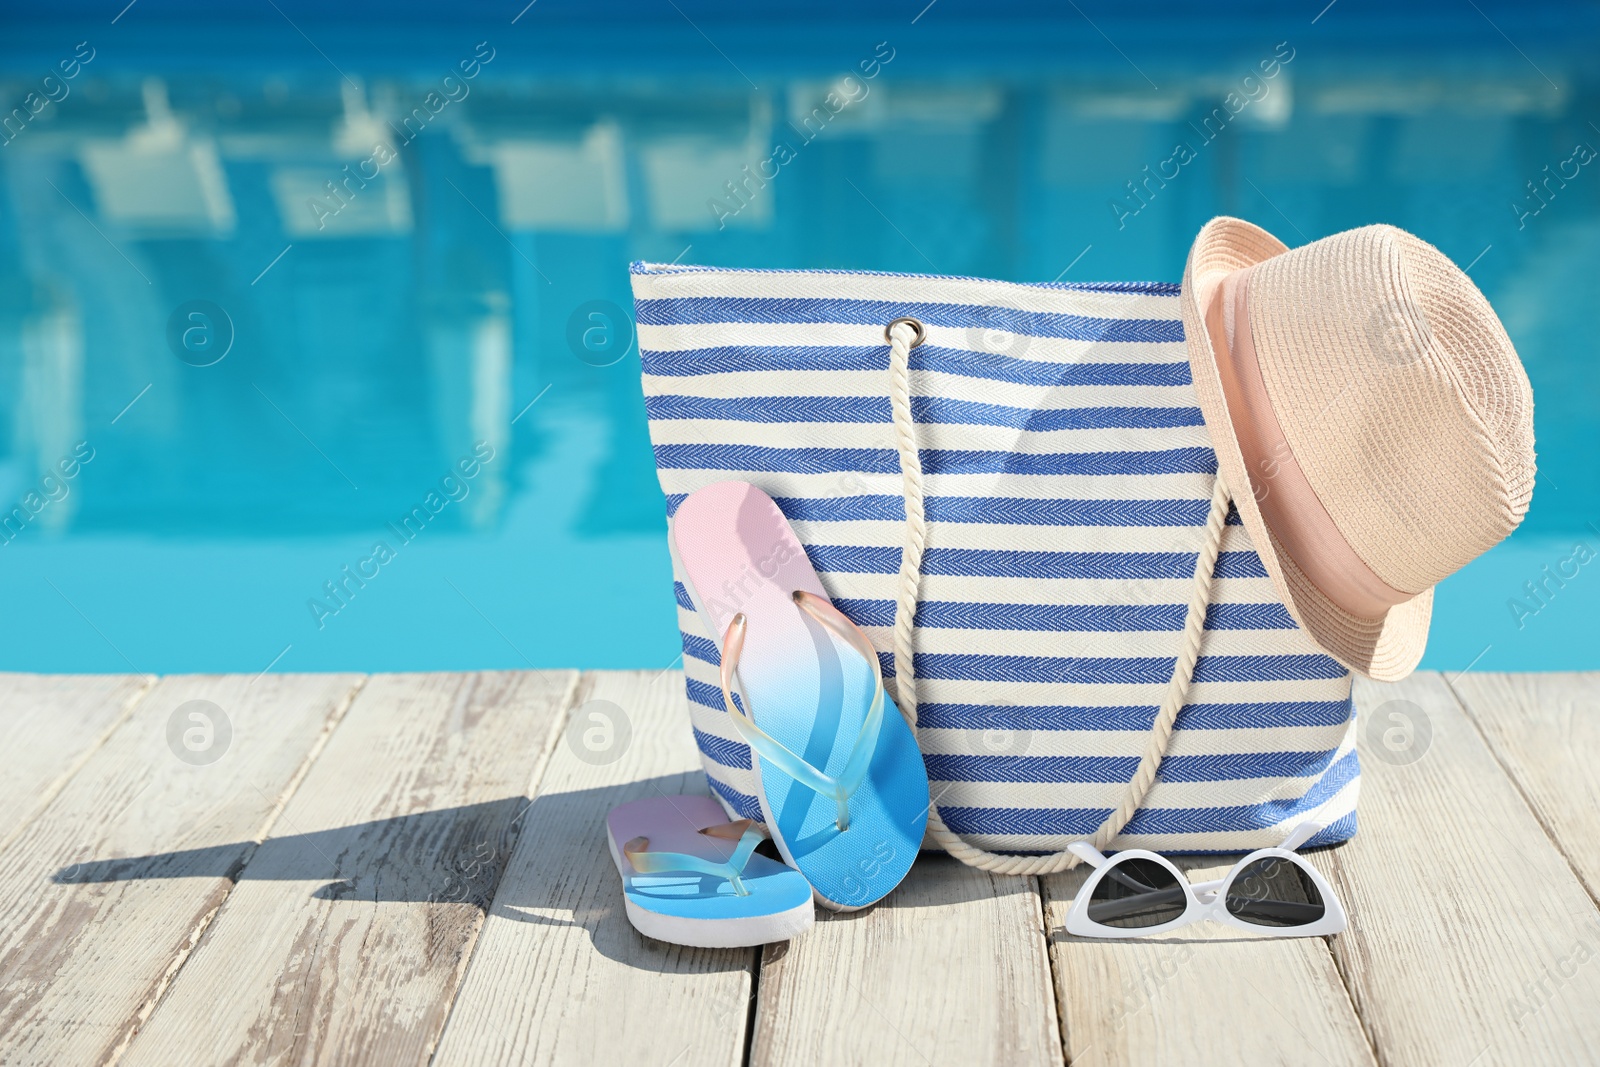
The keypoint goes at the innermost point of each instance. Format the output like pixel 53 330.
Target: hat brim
pixel 1386 648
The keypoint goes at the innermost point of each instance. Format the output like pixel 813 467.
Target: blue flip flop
pixel 840 779
pixel 690 877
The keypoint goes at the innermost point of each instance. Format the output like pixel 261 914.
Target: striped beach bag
pixel 1014 494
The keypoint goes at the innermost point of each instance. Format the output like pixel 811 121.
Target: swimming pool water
pixel 277 290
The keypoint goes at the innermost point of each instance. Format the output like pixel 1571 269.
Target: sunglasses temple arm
pixel 1300 835
pixel 1088 853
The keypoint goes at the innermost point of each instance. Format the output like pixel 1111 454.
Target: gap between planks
pixel 558 974
pixel 54 788
pixel 83 960
pixel 1202 994
pixel 1528 774
pixel 462 747
pixel 558 726
pixel 329 725
pixel 952 966
pixel 1473 710
pixel 1452 956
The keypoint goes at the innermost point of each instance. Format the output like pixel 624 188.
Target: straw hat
pixel 1370 417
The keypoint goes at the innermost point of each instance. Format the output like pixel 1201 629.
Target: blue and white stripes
pixel 1069 475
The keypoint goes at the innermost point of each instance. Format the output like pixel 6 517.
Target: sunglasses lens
pixel 1137 893
pixel 1275 892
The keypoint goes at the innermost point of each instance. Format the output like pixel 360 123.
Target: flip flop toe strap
pixel 770 750
pixel 744 831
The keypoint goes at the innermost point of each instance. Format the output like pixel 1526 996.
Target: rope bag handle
pixel 904 334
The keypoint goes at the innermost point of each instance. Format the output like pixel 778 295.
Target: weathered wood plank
pixel 1545 729
pixel 350 926
pixel 103 894
pixel 559 975
pixel 50 725
pixel 1206 994
pixel 950 968
pixel 1471 941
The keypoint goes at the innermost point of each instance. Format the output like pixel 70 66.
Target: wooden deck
pixel 410 869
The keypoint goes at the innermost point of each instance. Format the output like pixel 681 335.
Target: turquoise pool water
pixel 225 382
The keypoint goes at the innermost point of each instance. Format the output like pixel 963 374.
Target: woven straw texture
pixel 1402 400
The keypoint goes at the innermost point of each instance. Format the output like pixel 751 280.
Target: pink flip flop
pixel 841 782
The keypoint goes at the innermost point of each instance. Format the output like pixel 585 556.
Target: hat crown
pixel 1400 395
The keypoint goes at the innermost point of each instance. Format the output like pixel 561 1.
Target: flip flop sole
pixel 697 910
pixel 809 690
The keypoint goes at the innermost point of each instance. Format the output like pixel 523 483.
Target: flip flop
pixel 690 877
pixel 841 782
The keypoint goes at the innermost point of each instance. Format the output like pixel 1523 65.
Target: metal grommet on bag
pixel 915 324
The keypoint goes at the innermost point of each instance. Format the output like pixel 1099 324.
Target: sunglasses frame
pixel 1204 900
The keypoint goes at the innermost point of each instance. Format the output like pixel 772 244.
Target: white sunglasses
pixel 1135 893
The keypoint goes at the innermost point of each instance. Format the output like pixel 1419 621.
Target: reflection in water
pixel 158 180
pixel 396 263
